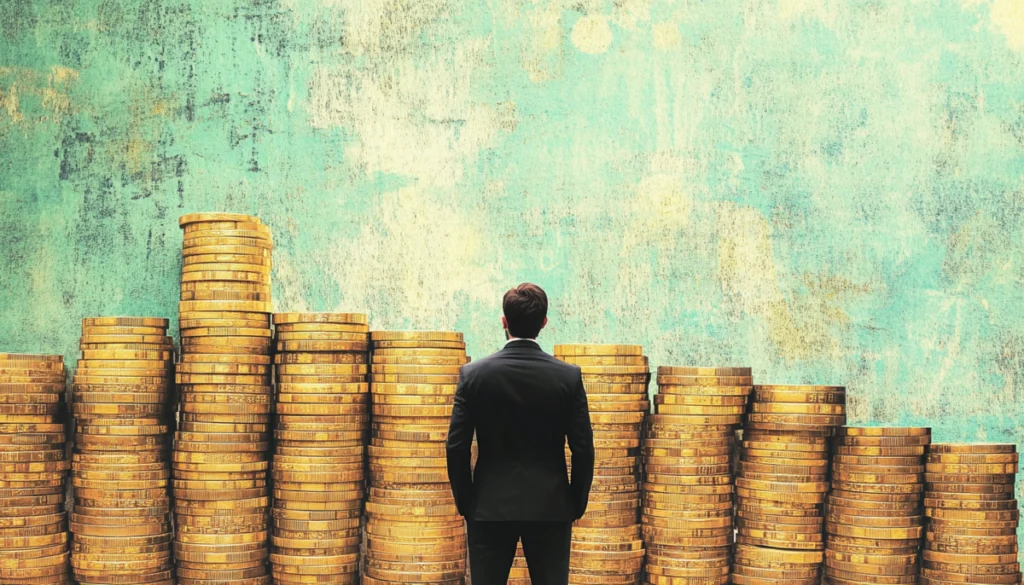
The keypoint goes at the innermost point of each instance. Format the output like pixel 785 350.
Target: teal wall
pixel 829 191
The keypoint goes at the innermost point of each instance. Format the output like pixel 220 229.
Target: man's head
pixel 526 311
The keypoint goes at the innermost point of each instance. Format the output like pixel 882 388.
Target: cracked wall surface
pixel 828 191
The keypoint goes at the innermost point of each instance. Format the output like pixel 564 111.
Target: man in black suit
pixel 523 405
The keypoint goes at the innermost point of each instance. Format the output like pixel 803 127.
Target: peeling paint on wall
pixel 828 191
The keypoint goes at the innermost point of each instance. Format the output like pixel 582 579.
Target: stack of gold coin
pixel 972 516
pixel 318 470
pixel 874 522
pixel 413 529
pixel 33 523
pixel 688 489
pixel 520 573
pixel 221 448
pixel 121 523
pixel 606 544
pixel 782 482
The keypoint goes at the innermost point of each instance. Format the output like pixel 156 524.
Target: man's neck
pixel 530 339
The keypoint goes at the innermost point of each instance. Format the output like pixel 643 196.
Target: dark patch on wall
pixel 17 17
pixel 76 153
pixel 269 24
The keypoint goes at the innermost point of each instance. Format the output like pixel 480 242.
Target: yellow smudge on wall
pixel 1008 18
pixel 414 118
pixel 51 88
pixel 666 36
pixel 422 252
pixel 592 34
pixel 750 283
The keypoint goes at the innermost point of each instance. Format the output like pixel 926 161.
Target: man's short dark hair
pixel 525 307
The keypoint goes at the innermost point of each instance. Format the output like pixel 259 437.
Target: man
pixel 523 405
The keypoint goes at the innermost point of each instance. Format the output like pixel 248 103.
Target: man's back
pixel 524 404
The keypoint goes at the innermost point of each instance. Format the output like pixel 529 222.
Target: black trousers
pixel 492 548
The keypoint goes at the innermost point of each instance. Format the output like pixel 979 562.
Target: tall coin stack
pixel 874 523
pixel 972 516
pixel 221 448
pixel 782 482
pixel 414 531
pixel 33 523
pixel 121 524
pixel 318 471
pixel 688 489
pixel 606 544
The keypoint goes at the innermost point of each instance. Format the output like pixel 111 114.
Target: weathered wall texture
pixel 830 191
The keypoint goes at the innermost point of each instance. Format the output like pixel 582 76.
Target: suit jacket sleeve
pixel 581 443
pixel 458 447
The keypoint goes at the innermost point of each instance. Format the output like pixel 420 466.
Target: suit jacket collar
pixel 522 344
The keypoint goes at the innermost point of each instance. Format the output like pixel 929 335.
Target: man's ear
pixel 544 324
pixel 504 322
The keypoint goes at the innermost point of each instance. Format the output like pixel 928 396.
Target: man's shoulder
pixel 497 360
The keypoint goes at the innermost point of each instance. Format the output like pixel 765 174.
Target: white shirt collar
pixel 511 339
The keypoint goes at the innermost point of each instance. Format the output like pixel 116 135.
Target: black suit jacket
pixel 523 405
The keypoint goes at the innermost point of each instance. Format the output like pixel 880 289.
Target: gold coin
pixel 973 448
pixel 450 336
pixel 660 420
pixel 972 468
pixel 32 389
pixel 321 346
pixel 797 408
pixel 421 361
pixel 407 379
pixel 970 479
pixel 596 349
pixel 799 397
pixel 226 238
pixel 700 400
pixel 338 318
pixel 608 360
pixel 218 306
pixel 798 388
pixel 321 358
pixel 226 332
pixel 223 368
pixel 968 458
pixel 795 419
pixel 713 381
pixel 326 370
pixel 193 218
pixel 412 389
pixel 418 344
pixel 125 322
pixel 217 275
pixel 696 410
pixel 702 371
pixel 123 330
pixel 328 387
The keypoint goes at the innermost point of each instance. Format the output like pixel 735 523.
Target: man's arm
pixel 581 443
pixel 460 441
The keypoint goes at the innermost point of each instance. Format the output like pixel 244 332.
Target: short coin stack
pixel 414 531
pixel 782 482
pixel 688 486
pixel 874 520
pixel 323 419
pixel 33 523
pixel 606 543
pixel 221 449
pixel 520 573
pixel 972 516
pixel 121 522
